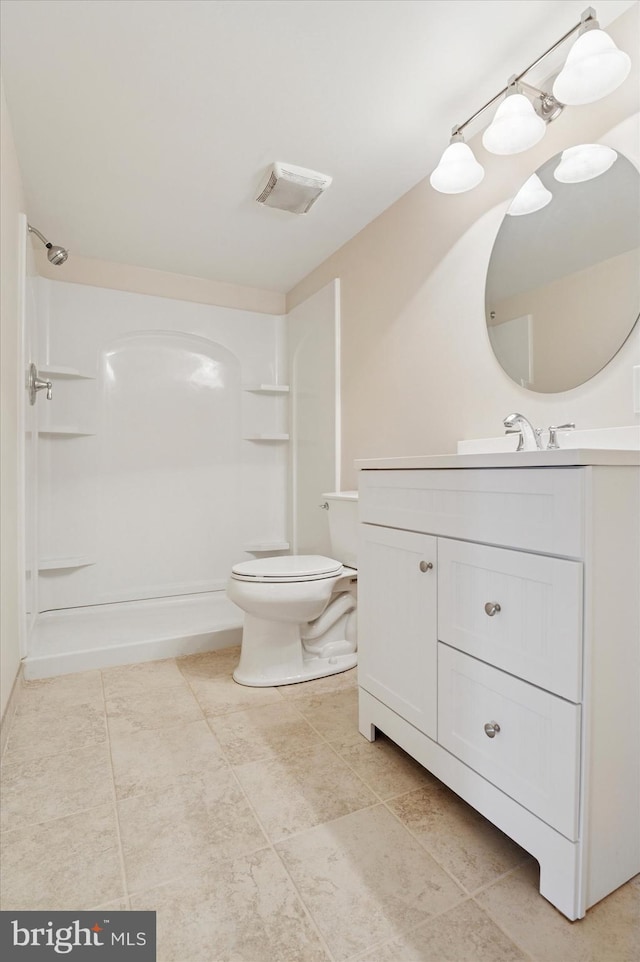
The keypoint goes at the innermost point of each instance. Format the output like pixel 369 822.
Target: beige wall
pixel 11 205
pixel 418 372
pixel 143 280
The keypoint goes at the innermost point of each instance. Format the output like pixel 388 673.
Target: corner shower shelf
pixel 267 437
pixel 57 564
pixel 57 371
pixel 266 546
pixel 64 431
pixel 267 388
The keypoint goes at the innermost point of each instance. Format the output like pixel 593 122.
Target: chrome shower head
pixel 57 255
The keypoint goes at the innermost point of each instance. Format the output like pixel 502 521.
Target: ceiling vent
pixel 291 188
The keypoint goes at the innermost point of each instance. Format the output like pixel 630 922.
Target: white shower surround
pixel 147 486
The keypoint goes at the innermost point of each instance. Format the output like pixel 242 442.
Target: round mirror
pixel 563 290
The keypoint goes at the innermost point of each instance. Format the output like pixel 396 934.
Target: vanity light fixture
pixel 458 169
pixel 594 68
pixel 584 162
pixel 515 127
pixel 532 196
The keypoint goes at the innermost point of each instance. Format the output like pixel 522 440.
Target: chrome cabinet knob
pixel 425 566
pixel 491 729
pixel 491 608
pixel 324 506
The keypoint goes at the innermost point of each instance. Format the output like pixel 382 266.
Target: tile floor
pixel 261 827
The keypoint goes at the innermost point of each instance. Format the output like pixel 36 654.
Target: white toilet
pixel 300 610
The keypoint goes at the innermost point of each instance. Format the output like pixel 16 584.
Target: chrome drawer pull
pixel 491 608
pixel 491 729
pixel 426 566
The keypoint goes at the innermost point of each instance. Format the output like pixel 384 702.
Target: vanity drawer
pixel 534 757
pixel 524 508
pixel 517 611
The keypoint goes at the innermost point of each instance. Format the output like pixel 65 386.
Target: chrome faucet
pixel 529 439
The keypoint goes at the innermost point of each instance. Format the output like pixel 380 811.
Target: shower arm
pixel 44 240
pixel 56 255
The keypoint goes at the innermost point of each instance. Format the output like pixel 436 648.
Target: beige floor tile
pixel 181 829
pixel 243 910
pixel 150 761
pixel 69 863
pixel 382 764
pixel 297 791
pixel 246 736
pixel 334 715
pixel 83 688
pixel 209 664
pixel 365 880
pixel 610 931
pixel 120 905
pixel 320 686
pixel 220 694
pixel 39 789
pixel 55 730
pixel 463 934
pixel 137 679
pixel 459 838
pixel 165 708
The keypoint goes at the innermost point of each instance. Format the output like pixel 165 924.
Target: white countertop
pixel 563 457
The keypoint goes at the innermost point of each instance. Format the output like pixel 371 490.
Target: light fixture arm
pixel 534 90
pixel 588 21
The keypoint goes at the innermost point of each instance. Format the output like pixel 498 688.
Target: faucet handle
pixel 553 434
pixel 520 438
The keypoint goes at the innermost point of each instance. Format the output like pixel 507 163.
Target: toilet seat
pixel 291 568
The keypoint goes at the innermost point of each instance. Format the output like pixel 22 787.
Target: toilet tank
pixel 343 526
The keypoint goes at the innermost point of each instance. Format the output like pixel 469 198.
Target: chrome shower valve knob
pixel 36 383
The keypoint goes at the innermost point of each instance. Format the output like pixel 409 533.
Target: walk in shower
pixel 161 460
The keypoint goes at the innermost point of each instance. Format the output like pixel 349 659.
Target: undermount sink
pixel 612 439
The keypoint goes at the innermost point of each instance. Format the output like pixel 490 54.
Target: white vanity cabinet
pixel 499 644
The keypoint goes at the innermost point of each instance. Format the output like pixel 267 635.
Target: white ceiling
pixel 144 128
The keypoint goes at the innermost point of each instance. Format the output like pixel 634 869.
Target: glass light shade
pixel 515 127
pixel 532 196
pixel 594 68
pixel 457 171
pixel 584 162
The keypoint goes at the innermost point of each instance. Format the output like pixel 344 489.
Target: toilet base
pixel 311 667
pixel 273 653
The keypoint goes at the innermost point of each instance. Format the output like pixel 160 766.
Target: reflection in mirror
pixel 563 289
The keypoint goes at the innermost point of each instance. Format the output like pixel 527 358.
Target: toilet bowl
pixel 300 610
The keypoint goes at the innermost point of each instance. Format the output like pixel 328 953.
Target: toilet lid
pixel 290 568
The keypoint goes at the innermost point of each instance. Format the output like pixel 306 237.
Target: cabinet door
pixel 397 644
